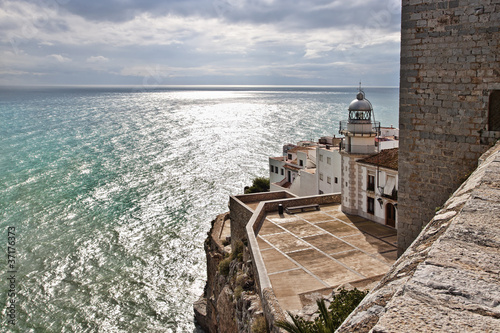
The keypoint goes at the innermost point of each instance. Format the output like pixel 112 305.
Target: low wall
pixel 240 213
pixel 448 279
pixel 272 309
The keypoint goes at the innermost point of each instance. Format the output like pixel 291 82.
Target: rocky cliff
pixel 229 303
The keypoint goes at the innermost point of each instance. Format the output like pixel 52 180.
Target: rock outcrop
pixel 229 303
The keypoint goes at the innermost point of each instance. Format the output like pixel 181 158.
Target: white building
pixel 346 165
pixel 295 171
pixel 379 187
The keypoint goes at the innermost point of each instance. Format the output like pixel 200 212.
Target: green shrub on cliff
pixel 259 184
pixel 260 325
pixel 344 302
pixel 224 266
pixel 238 251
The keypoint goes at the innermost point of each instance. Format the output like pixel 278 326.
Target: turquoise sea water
pixel 111 192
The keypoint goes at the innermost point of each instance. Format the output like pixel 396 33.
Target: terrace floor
pixel 320 250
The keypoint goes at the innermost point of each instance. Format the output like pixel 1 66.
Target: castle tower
pixel 360 131
pixel 449 102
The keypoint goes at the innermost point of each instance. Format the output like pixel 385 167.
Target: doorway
pixel 390 215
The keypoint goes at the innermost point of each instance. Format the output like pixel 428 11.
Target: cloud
pixel 97 59
pixel 59 58
pixel 199 38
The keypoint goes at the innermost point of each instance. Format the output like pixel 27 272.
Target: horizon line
pixel 152 87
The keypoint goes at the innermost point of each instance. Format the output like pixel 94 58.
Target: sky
pixel 185 42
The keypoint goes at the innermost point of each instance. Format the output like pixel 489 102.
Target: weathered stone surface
pixel 449 278
pixel 226 318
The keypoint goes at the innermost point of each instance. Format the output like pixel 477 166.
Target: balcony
pixel 348 128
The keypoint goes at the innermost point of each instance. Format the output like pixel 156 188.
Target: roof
pixel 279 158
pixel 288 166
pixel 296 149
pixel 387 158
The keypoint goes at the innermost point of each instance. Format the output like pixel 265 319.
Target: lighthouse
pixel 360 131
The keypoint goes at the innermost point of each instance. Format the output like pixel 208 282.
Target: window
pixel 329 180
pixel 494 111
pixel 336 180
pixel 301 162
pixel 289 156
pixel 282 171
pixel 320 176
pixel 272 168
pixel 276 170
pixel 329 160
pixel 370 205
pixel 320 157
pixel 371 183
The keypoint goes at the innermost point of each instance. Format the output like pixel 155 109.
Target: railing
pixel 358 149
pixel 392 196
pixel 370 128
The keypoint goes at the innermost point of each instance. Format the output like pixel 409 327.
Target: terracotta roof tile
pixel 387 158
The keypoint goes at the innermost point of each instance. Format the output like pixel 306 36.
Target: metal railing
pixel 358 149
pixel 371 128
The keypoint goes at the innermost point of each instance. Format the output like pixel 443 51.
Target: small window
pixel 329 180
pixel 345 184
pixel 494 111
pixel 276 170
pixel 320 176
pixel 329 160
pixel 320 157
pixel 336 180
pixel 289 156
pixel 301 162
pixel 371 183
pixel 282 172
pixel 370 205
pixel 272 168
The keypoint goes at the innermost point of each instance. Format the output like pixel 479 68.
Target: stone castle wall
pixel 449 67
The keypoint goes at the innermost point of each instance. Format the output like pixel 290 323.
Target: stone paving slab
pixel 288 285
pixel 362 263
pixel 339 229
pixel 374 229
pixel 262 244
pixel 286 242
pixel 315 216
pixel 269 228
pixel 276 218
pixel 276 262
pixel 324 267
pixel 328 243
pixel 303 228
pixel 311 251
pixel 368 244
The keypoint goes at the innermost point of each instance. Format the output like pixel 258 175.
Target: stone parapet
pixel 449 278
pixel 271 307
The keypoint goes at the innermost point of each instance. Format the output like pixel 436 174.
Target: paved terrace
pixel 320 250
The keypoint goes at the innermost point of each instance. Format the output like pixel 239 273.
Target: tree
pixel 344 302
pixel 259 184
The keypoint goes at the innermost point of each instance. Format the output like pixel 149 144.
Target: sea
pixel 107 193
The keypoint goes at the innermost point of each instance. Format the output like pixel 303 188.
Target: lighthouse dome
pixel 360 103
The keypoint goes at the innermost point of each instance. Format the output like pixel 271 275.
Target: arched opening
pixel 390 215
